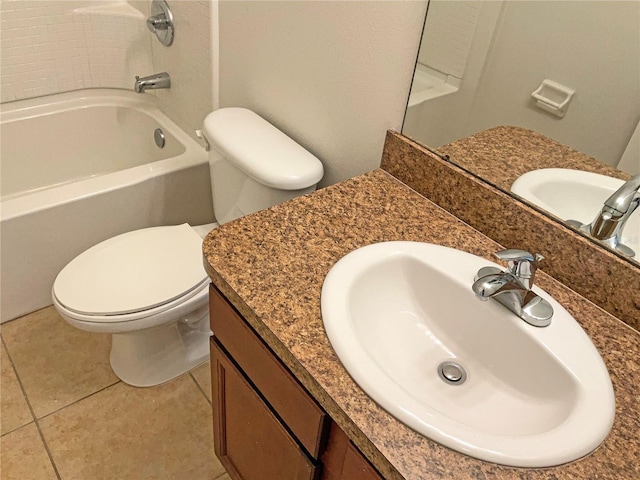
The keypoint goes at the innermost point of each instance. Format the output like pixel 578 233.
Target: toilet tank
pixel 253 165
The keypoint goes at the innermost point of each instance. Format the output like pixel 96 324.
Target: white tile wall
pixel 55 46
pixel 188 61
pixel 448 34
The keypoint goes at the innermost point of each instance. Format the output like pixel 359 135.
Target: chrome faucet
pixel 610 221
pixel 157 80
pixel 512 288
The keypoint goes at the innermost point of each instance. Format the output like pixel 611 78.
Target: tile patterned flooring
pixel 64 415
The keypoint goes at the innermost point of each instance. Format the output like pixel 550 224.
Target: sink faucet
pixel 157 80
pixel 610 221
pixel 512 288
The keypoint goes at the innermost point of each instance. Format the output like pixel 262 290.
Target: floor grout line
pixel 15 372
pixel 210 403
pixel 37 420
pixel 46 447
pixel 33 413
pixel 78 400
pixel 200 388
pixel 17 428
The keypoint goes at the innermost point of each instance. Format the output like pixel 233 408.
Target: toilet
pixel 148 288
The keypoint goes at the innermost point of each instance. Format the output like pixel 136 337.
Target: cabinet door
pixel 294 406
pixel 343 461
pixel 250 441
pixel 356 467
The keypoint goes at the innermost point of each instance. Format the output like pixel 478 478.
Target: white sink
pixel 574 195
pixel 533 397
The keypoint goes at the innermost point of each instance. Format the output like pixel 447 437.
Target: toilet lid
pixel 133 272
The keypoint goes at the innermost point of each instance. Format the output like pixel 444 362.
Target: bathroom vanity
pixel 266 425
pixel 278 383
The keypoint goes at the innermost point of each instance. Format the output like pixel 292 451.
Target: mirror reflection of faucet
pixel 610 221
pixel 512 288
pixel 151 82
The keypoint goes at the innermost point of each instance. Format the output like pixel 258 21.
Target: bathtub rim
pixel 65 101
pixel 64 193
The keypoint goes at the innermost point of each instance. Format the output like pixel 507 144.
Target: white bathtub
pixel 80 167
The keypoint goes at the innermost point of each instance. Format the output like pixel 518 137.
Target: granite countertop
pixel 271 266
pixel 486 153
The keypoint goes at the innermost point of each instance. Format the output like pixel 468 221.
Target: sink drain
pixel 452 373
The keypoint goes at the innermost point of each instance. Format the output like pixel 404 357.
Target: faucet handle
pixel 522 264
pixel 158 22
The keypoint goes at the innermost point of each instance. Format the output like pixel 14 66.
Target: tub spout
pixel 151 82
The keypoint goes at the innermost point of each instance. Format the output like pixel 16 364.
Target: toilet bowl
pixel 148 288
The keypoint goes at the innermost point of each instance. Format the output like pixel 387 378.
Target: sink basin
pixel 533 397
pixel 574 195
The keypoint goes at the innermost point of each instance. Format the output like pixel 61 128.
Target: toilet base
pixel 148 357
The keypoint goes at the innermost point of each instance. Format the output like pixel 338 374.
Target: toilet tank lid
pixel 261 150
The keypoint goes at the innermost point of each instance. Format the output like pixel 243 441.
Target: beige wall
pixel 590 46
pixel 333 75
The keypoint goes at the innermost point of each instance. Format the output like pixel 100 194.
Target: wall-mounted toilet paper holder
pixel 553 97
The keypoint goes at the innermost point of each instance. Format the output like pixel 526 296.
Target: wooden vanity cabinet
pixel 266 425
pixel 343 461
pixel 250 440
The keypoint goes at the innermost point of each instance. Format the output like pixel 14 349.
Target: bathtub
pixel 78 168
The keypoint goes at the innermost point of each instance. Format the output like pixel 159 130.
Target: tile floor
pixel 64 414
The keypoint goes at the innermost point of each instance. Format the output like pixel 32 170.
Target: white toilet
pixel 148 287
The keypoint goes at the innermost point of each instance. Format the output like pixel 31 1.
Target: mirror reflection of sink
pixel 574 195
pixel 470 375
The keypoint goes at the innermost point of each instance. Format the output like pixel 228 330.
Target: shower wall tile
pixel 448 35
pixel 188 61
pixel 52 47
pixel 59 46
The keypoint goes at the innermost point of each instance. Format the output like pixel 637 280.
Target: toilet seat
pixel 133 276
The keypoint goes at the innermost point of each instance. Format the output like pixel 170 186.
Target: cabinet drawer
pixel 249 440
pixel 302 415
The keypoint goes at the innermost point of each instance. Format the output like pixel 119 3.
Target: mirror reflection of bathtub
pixel 69 161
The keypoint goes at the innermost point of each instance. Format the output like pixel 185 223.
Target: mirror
pixel 567 70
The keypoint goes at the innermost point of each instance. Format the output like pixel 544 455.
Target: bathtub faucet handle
pixel 158 22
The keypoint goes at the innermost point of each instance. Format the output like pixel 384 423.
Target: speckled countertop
pixel 271 266
pixel 502 154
